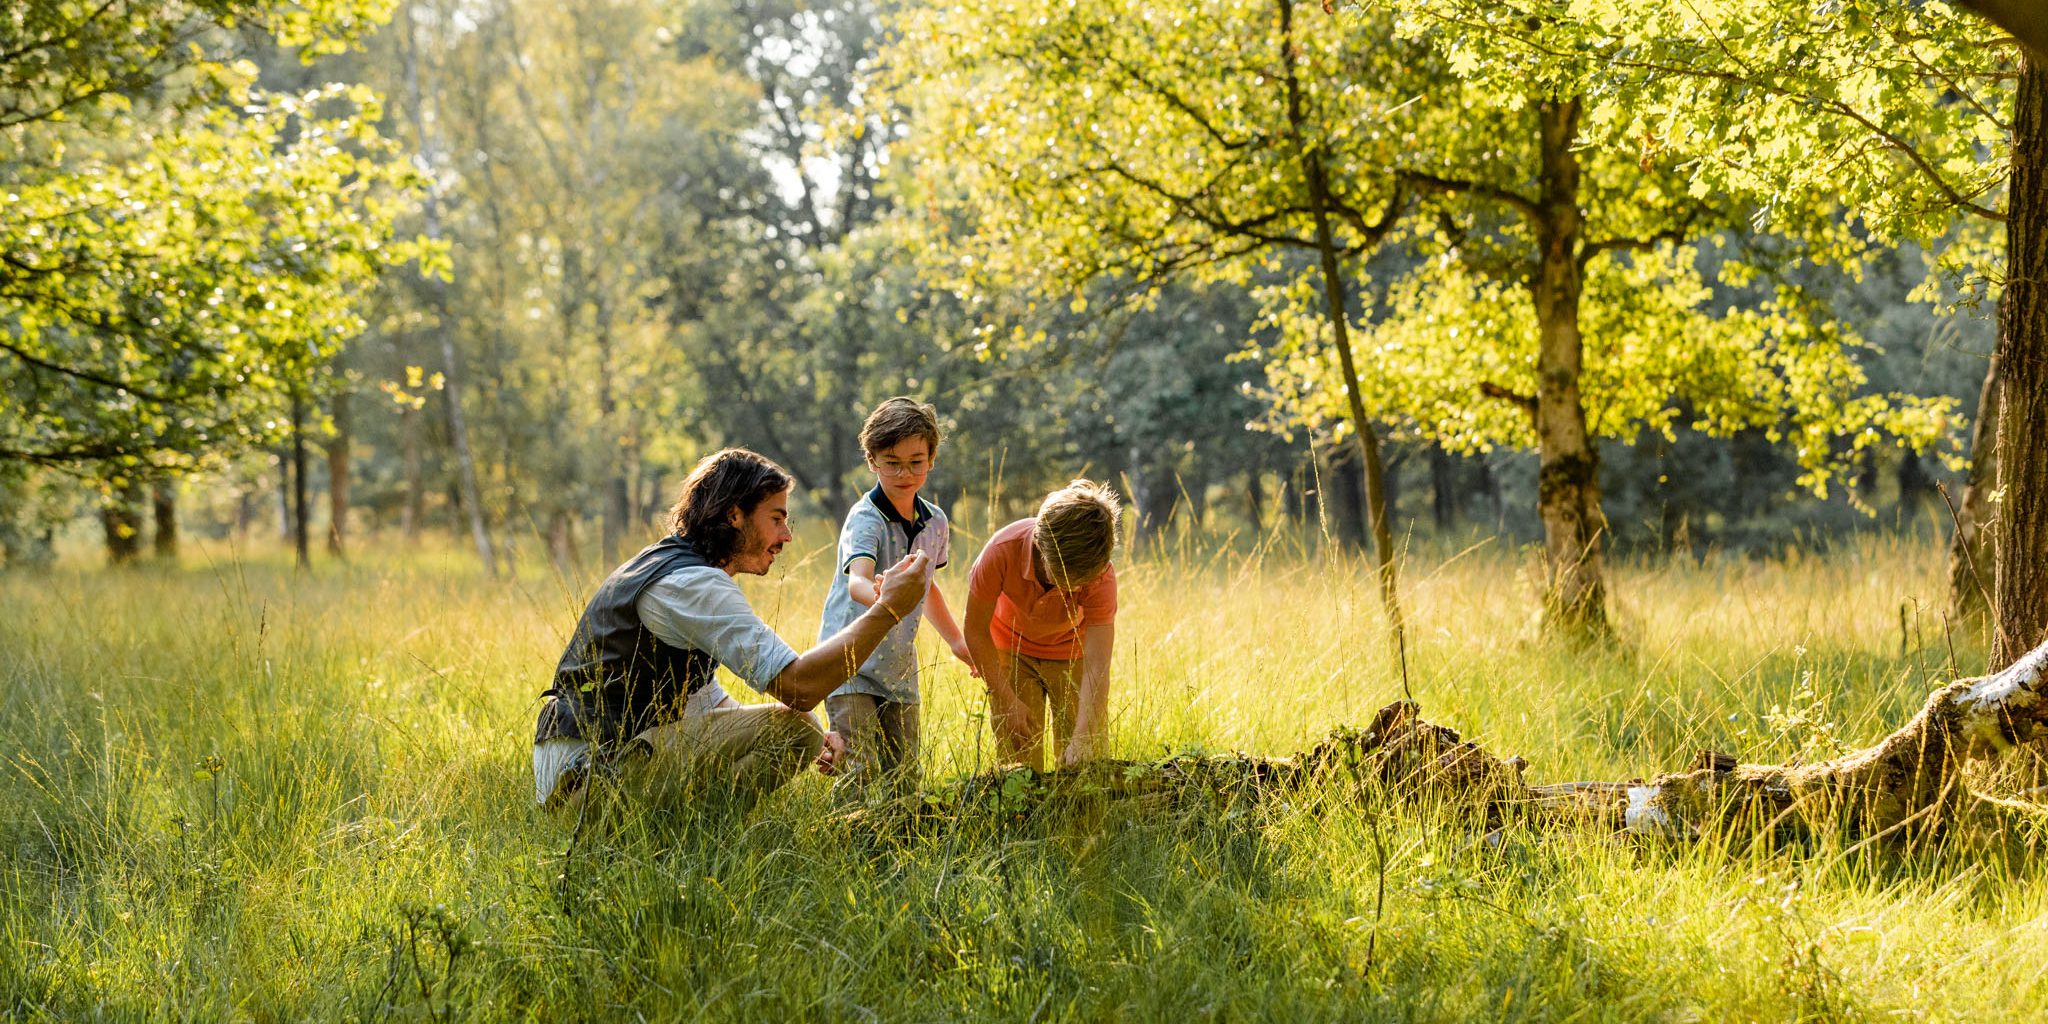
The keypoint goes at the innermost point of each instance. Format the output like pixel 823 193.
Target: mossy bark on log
pixel 1910 779
pixel 1912 776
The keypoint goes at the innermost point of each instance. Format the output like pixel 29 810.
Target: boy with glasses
pixel 876 712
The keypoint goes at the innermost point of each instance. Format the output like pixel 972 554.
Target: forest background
pixel 617 236
pixel 1665 376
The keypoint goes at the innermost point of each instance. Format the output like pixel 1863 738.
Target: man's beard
pixel 756 555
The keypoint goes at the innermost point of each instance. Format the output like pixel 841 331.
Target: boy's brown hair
pixel 1076 531
pixel 897 420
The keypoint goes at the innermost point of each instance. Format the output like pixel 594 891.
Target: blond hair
pixel 1076 532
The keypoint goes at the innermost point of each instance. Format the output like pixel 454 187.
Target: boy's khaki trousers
pixel 1040 683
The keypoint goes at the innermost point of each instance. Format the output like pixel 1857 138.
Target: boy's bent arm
pixel 860 581
pixel 981 644
pixel 1091 717
pixel 995 669
pixel 820 670
pixel 941 618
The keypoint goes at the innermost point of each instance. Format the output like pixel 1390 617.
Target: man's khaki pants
pixel 735 753
pixel 1040 683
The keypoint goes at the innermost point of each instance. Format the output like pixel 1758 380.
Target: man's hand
pixel 903 585
pixel 833 752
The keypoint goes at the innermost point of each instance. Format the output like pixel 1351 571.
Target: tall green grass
pixel 235 792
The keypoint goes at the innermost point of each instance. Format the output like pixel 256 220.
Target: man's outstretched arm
pixel 817 672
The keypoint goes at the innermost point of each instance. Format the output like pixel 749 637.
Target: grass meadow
pixel 233 792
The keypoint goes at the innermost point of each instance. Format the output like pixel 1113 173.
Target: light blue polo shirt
pixel 874 529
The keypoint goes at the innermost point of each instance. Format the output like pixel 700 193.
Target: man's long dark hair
pixel 731 479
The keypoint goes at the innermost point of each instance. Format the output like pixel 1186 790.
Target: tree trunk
pixel 836 441
pixel 412 515
pixel 1255 500
pixel 1343 491
pixel 1154 497
pixel 1336 313
pixel 337 479
pixel 1568 478
pixel 300 526
pixel 616 502
pixel 1443 489
pixel 561 543
pixel 121 518
pixel 163 504
pixel 1915 485
pixel 458 430
pixel 1970 552
pixel 1396 457
pixel 451 364
pixel 2020 591
pixel 284 496
pixel 245 510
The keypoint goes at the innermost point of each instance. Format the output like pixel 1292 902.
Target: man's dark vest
pixel 617 678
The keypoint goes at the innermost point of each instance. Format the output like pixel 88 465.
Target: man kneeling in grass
pixel 634 698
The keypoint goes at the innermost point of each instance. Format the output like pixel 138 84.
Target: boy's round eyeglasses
pixel 898 469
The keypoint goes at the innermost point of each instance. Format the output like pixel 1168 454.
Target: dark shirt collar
pixel 911 527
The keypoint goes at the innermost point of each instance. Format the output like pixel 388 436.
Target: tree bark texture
pixel 301 546
pixel 2027 20
pixel 1568 480
pixel 337 478
pixel 163 506
pixel 1970 550
pixel 1444 497
pixel 1255 500
pixel 1341 499
pixel 121 519
pixel 561 542
pixel 1154 494
pixel 2020 594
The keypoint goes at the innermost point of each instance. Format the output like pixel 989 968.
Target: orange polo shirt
pixel 1032 618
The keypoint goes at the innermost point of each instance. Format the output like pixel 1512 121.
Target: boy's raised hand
pixel 903 584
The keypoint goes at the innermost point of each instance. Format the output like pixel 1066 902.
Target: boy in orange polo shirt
pixel 1041 614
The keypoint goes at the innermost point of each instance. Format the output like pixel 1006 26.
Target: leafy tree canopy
pixel 179 248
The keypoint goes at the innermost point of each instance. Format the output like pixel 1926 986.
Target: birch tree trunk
pixel 451 364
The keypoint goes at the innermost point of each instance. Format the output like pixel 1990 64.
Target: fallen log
pixel 1912 778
